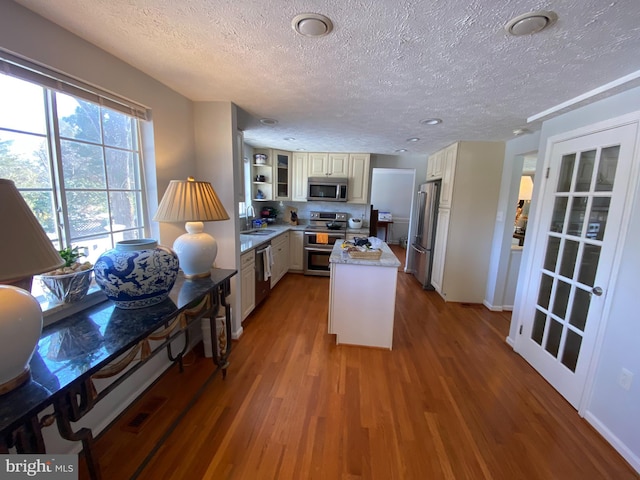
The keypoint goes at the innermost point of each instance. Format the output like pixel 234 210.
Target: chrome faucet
pixel 253 215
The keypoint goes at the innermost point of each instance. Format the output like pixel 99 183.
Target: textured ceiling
pixel 387 65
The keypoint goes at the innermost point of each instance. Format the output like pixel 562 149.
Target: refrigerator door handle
pixel 419 250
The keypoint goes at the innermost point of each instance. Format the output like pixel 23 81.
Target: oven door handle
pixel 312 249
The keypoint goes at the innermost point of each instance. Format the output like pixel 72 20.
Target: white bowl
pixel 355 223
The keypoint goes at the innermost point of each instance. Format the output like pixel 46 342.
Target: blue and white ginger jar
pixel 137 273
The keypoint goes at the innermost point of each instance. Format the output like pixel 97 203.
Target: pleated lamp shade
pixel 194 203
pixel 190 201
pixel 26 248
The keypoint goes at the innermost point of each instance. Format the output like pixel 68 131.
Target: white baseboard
pixel 493 308
pixel 237 334
pixel 511 342
pixel 620 447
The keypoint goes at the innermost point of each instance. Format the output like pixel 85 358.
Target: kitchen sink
pixel 258 231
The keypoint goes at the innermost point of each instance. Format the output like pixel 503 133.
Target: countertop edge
pixel 387 259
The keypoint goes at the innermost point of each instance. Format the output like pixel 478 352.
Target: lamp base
pixel 20 328
pixel 196 251
pixel 15 382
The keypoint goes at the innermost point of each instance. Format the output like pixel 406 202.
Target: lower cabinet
pixel 280 252
pixel 248 282
pixel 296 251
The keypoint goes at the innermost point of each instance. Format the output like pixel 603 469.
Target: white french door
pixel 573 260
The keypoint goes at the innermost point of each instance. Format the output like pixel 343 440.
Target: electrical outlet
pixel 625 379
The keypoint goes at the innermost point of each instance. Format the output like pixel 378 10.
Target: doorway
pixel 582 205
pixel 392 191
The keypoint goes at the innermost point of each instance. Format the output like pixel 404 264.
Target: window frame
pixel 53 82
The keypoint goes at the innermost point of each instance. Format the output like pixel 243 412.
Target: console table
pixel 103 342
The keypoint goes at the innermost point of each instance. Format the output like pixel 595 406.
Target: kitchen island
pixel 362 298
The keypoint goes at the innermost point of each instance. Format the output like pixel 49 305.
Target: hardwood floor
pixel 451 401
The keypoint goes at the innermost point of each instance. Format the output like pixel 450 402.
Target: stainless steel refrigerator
pixel 422 246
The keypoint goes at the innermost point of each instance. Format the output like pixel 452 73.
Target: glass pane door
pixel 574 241
pixel 575 238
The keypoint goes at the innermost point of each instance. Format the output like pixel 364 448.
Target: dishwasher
pixel 263 282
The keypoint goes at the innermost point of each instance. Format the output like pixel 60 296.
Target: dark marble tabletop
pixel 78 346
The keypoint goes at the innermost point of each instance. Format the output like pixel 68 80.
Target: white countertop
pixel 249 242
pixel 387 259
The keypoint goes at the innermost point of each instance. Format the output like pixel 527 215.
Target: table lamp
pixel 26 251
pixel 194 203
pixel 526 188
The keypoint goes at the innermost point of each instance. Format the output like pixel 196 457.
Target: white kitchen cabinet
pixel 280 252
pixel 262 177
pixel 435 165
pixel 299 177
pixel 442 229
pixel 449 156
pixel 296 251
pixel 468 204
pixel 359 178
pixel 248 282
pixel 338 164
pixel 324 164
pixel 282 175
pixel 362 299
pixel 317 165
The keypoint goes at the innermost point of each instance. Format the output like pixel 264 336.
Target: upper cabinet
pixel 282 174
pixel 321 164
pixel 435 165
pixel 299 177
pixel 449 156
pixel 262 175
pixel 288 174
pixel 338 164
pixel 359 178
pixel 271 177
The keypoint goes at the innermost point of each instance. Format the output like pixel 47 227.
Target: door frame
pixel 535 226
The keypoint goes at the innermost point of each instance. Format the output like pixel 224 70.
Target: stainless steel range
pixel 323 230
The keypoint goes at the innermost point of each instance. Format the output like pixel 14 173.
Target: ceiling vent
pixel 530 23
pixel 312 25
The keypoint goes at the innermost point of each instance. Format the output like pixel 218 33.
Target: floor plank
pixel 450 401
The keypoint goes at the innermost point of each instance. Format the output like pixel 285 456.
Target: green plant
pixel 70 255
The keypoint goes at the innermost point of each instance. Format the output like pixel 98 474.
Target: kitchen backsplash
pixel 353 210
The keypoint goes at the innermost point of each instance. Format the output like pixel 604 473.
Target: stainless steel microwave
pixel 328 189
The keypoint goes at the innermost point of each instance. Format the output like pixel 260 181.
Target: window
pixel 246 178
pixel 76 162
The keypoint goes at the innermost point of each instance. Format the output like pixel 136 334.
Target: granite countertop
pixel 251 241
pixel 387 259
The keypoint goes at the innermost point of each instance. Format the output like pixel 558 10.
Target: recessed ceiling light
pixel 312 25
pixel 530 23
pixel 520 131
pixel 413 139
pixel 400 150
pixel 431 121
pixel 289 139
pixel 268 121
